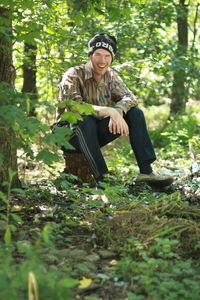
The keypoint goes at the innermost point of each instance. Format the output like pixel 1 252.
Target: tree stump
pixel 76 164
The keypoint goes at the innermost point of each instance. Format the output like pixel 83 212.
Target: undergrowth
pixel 155 235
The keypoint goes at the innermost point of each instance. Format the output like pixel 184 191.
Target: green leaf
pixel 46 235
pixel 77 107
pixel 18 191
pixel 27 99
pixel 3 197
pixel 62 104
pixel 59 137
pixel 17 218
pixel 68 282
pixel 70 117
pixel 3 217
pixel 7 236
pixel 50 31
pixel 47 157
pixel 11 174
pixel 83 267
pixel 82 108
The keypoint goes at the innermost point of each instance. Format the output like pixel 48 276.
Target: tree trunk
pixel 8 149
pixel 179 89
pixel 29 75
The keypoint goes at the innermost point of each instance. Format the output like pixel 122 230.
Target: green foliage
pixel 32 271
pixel 6 199
pixel 65 182
pixel 47 157
pixel 60 137
pixel 7 236
pixel 29 130
pixel 179 132
pixel 157 272
pixel 46 236
pixel 51 284
pixel 76 110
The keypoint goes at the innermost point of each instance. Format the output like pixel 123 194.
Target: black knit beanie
pixel 104 41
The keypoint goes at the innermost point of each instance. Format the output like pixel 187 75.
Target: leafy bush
pixel 157 272
pixel 177 133
pixel 29 130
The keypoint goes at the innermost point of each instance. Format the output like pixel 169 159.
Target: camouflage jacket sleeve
pixel 69 88
pixel 123 97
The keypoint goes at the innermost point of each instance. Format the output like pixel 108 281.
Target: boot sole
pixel 160 183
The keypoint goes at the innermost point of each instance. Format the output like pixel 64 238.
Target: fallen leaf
pixel 84 283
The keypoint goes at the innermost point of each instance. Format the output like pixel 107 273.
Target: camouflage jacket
pixel 79 84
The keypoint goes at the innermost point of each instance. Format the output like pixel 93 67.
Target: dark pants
pixel 90 134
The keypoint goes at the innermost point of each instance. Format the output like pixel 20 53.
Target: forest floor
pixel 130 241
pixel 65 241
